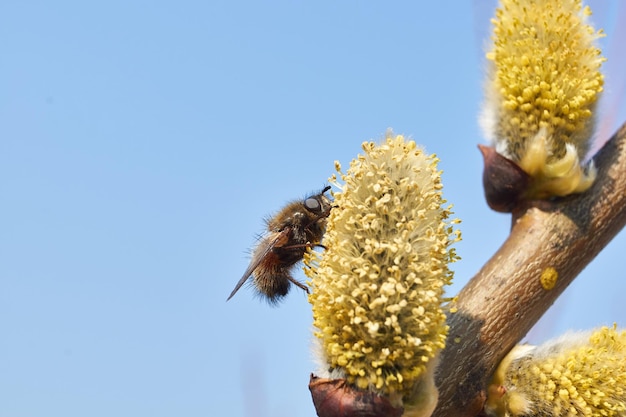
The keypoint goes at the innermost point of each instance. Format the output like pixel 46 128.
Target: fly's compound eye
pixel 313 205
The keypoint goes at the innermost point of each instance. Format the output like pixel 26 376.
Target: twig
pixel 549 240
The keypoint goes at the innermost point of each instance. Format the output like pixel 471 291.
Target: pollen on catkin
pixel 543 85
pixel 578 374
pixel 377 288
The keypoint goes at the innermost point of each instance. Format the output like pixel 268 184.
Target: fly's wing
pixel 264 248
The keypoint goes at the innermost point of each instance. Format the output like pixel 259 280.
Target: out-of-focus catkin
pixel 578 374
pixel 542 88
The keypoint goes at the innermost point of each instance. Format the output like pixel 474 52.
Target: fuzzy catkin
pixel 543 85
pixel 377 288
pixel 578 374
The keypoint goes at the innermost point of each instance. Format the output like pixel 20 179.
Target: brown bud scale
pixel 337 398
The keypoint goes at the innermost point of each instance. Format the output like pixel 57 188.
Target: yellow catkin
pixel 543 87
pixel 378 286
pixel 578 374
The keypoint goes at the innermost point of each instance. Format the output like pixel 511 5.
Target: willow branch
pixel 507 297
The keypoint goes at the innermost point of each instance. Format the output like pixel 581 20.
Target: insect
pixel 298 226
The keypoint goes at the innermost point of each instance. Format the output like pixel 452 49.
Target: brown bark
pixel 507 297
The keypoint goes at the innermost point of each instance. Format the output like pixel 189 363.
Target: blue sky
pixel 143 143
